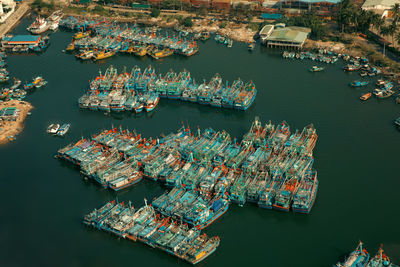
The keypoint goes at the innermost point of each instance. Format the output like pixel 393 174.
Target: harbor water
pixel 356 156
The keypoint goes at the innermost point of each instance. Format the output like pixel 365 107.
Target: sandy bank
pixel 12 128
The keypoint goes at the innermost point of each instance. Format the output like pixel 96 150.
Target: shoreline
pixel 13 128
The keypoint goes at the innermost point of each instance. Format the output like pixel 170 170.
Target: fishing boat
pixel 103 54
pixel 55 16
pixel 4 78
pixel 54 25
pixel 304 197
pixel 162 53
pixel 230 43
pixel 352 67
pixel 397 122
pixel 17 83
pixel 358 258
pixel 70 47
pixel 380 93
pixel 141 51
pixel 358 83
pixel 152 102
pixel 53 128
pixel 38 82
pixel 40 25
pixel 138 106
pixel 126 181
pixel 87 54
pixel 81 35
pixel 205 36
pixel 63 129
pixel 380 260
pixel 28 85
pixel 316 69
pixel 365 96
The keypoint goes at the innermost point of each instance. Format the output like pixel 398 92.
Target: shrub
pixel 155 12
pixel 187 22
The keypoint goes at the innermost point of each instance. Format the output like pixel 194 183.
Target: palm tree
pixel 385 31
pixel 392 30
pixel 397 37
pixel 377 22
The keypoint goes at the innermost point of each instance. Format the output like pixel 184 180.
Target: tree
pixel 392 30
pixel 397 37
pixel 155 12
pixel 396 12
pixel 377 22
pixel 187 22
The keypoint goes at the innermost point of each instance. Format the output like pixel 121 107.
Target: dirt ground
pixel 12 128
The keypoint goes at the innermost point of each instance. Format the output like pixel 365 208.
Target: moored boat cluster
pixel 361 258
pixel 321 56
pixel 147 226
pixel 101 39
pixel 41 25
pixel 271 166
pixel 140 90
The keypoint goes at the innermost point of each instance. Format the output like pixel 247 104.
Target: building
pixel 379 4
pixel 9 114
pixel 286 37
pixel 10 41
pixel 221 4
pixel 201 3
pixel 7 7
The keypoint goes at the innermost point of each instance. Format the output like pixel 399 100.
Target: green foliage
pixel 254 26
pixel 318 29
pixel 222 24
pixel 187 22
pixel 98 9
pixel 155 12
pixel 40 4
pixel 352 19
pixel 203 11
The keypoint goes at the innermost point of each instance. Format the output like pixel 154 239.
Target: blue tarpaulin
pixel 271 16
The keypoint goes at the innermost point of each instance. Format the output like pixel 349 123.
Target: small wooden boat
pixel 53 128
pixel 365 96
pixel 316 69
pixel 358 83
pixel 251 46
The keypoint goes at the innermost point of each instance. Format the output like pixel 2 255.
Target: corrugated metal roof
pixel 24 38
pixel 289 34
pixel 266 29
